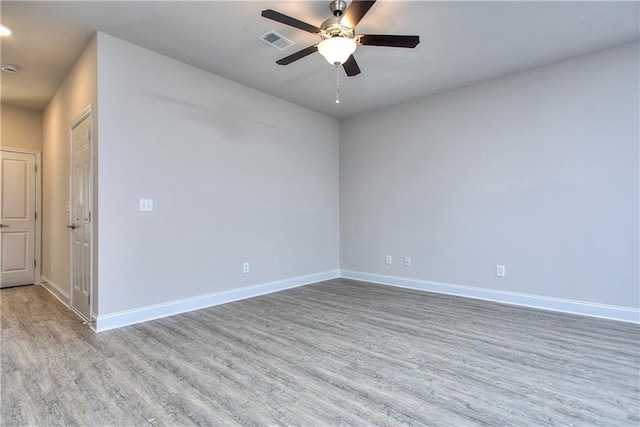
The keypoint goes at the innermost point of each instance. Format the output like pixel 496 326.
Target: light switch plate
pixel 146 205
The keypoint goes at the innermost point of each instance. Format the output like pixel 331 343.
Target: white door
pixel 18 218
pixel 80 226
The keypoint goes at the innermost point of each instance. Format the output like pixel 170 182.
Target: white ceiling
pixel 462 43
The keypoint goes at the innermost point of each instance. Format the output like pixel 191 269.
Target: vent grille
pixel 276 40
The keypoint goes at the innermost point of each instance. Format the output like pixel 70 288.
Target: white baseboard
pixel 624 314
pixel 55 290
pixel 143 314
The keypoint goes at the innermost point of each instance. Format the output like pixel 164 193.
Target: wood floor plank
pixel 339 352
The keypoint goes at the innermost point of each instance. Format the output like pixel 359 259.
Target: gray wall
pixel 20 128
pixel 235 176
pixel 78 90
pixel 536 171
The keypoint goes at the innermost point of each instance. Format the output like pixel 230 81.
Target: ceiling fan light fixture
pixel 336 50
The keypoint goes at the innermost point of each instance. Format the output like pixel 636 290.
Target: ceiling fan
pixel 339 39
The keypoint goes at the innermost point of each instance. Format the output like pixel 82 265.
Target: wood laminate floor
pixel 335 353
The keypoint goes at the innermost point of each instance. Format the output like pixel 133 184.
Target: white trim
pixel 19 150
pixel 157 311
pixel 143 314
pixel 55 290
pixel 624 314
pixel 92 323
pixel 38 245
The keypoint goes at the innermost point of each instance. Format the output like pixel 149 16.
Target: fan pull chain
pixel 337 83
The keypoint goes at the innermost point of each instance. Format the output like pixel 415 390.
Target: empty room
pixel 320 213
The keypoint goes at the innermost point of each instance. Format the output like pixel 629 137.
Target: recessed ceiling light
pixel 11 69
pixel 5 31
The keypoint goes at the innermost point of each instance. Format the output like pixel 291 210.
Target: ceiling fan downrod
pixel 337 7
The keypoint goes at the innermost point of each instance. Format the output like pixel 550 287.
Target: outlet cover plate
pixel 146 205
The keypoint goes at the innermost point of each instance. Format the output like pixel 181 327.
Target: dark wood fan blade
pixel 389 40
pixel 356 10
pixel 351 67
pixel 287 20
pixel 298 55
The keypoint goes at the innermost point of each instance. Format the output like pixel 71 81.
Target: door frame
pixel 37 279
pixel 87 112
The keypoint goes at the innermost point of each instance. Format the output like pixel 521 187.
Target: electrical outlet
pixel 51 269
pixel 146 205
pixel 388 259
pixel 245 267
pixel 500 270
pixel 407 261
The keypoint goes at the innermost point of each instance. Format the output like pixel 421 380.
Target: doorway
pixel 19 217
pixel 81 204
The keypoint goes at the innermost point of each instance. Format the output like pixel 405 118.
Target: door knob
pixel 72 226
pixel 4 226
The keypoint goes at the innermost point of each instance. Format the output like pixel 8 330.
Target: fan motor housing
pixel 333 28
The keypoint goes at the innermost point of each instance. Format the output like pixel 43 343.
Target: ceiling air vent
pixel 276 40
